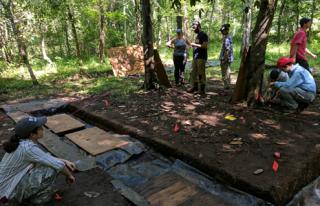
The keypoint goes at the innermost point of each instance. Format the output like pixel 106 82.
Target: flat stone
pixel 17 115
pixel 65 150
pixel 61 123
pixel 96 141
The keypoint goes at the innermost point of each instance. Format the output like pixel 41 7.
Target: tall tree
pixel 102 33
pixel 249 88
pixel 147 41
pixel 313 9
pixel 283 4
pixel 9 13
pixel 74 30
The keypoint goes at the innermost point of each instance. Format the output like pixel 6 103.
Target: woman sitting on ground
pixel 180 45
pixel 27 173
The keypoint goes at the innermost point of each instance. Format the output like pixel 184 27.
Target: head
pixel 305 23
pixel 225 29
pixel 196 26
pixel 26 128
pixel 179 33
pixel 285 64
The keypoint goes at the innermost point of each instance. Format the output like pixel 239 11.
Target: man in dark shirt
pixel 200 56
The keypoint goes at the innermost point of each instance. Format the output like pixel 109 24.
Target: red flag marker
pixel 275 166
pixel 176 128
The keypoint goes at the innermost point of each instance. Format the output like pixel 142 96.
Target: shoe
pixel 202 89
pixel 301 107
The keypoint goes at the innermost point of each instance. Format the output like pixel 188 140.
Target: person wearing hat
pixel 298 47
pixel 180 45
pixel 300 89
pixel 226 55
pixel 200 56
pixel 27 172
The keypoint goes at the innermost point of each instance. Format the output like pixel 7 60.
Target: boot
pixel 202 89
pixel 193 89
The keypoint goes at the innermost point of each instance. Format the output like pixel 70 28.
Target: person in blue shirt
pixel 297 92
pixel 226 55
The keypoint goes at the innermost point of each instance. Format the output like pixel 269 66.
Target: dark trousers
pixel 303 63
pixel 179 67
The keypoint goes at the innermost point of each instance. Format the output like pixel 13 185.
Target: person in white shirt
pixel 27 173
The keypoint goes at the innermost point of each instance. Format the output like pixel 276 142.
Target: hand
pixel 271 84
pixel 70 165
pixel 314 56
pixel 70 179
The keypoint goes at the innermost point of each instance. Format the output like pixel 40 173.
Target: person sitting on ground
pixel 27 173
pixel 299 91
pixel 275 75
pixel 226 55
pixel 180 45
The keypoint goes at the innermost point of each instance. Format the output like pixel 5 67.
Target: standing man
pixel 200 56
pixel 226 56
pixel 299 44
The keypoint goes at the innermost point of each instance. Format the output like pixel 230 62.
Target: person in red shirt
pixel 299 44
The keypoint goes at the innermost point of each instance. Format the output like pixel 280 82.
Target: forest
pixel 39 38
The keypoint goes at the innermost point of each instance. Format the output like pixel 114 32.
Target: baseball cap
pixel 224 27
pixel 284 61
pixel 25 126
pixel 179 30
pixel 304 20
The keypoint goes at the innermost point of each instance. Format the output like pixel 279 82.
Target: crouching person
pixel 27 173
pixel 299 90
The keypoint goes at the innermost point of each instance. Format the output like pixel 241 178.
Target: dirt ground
pixel 88 184
pixel 229 150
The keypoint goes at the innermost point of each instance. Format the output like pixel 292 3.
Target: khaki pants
pixel 225 72
pixel 198 73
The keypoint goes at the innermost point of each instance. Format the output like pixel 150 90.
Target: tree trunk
pixel 297 14
pixel 102 33
pixel 279 20
pixel 74 31
pixel 249 88
pixel 138 21
pixel 312 18
pixel 67 38
pixel 147 45
pixel 247 23
pixel 8 9
pixel 185 20
pixel 125 26
pixel 44 51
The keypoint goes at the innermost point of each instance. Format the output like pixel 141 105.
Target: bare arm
pixel 293 52
pixel 310 53
pixel 203 45
pixel 170 42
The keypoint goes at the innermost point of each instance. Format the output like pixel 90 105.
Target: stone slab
pixel 96 141
pixel 61 123
pixel 65 150
pixel 35 105
pixel 171 189
pixel 17 115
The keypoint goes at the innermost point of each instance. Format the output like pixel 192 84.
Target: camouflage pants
pixel 36 187
pixel 198 73
pixel 225 73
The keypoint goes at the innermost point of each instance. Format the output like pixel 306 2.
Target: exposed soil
pixel 229 151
